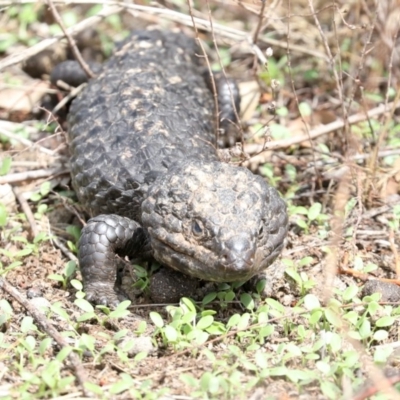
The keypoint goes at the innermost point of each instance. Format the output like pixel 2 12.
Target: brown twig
pixel 371 390
pixel 31 175
pixel 64 249
pixel 212 80
pixel 322 130
pixel 27 211
pixel 395 253
pixel 26 142
pixel 70 40
pixel 331 60
pixel 40 318
pixel 260 20
pixel 289 64
pixel 72 94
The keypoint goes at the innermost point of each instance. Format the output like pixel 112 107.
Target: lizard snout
pixel 239 253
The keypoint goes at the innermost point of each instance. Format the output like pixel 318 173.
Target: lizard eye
pixel 197 228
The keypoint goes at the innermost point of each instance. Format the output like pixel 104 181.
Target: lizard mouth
pixel 208 266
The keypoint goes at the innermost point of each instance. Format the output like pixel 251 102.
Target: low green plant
pixel 69 270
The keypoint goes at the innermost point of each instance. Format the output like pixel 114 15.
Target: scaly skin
pixel 145 167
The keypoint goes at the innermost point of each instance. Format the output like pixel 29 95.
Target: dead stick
pixel 30 175
pixel 70 39
pixel 323 130
pixel 27 211
pixel 40 318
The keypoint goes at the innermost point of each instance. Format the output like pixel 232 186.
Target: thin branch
pixel 289 64
pixel 322 130
pixel 260 21
pixel 70 40
pixel 26 142
pixel 27 211
pixel 31 175
pixel 213 85
pixel 40 318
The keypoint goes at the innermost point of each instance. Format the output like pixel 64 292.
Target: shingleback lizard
pixel 144 165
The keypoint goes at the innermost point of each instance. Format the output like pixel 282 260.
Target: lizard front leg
pixel 102 238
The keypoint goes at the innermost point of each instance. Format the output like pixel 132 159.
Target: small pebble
pixel 390 292
pixel 41 303
pixel 137 344
pixel 33 292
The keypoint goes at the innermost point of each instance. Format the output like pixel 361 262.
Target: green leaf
pixel 140 356
pixel 352 317
pixel 157 320
pixel 292 272
pixel 244 321
pixel 302 224
pixel 266 331
pixel 296 375
pixel 333 318
pixel 5 165
pixel 205 322
pixel 261 360
pixel 216 329
pixel 84 305
pixel 198 336
pixel 385 321
pixel 188 303
pixel 23 252
pixel 314 211
pixel 205 381
pixel 382 354
pixel 278 371
pixel 305 261
pixel 70 268
pixel 247 301
pixel 87 341
pixel 63 353
pixel 124 384
pixel 209 298
pixel 233 320
pixel 380 335
pixel 315 316
pixel 3 215
pixel 330 390
pixel 350 293
pixel 56 277
pixel 76 284
pixel 170 333
pixel 305 109
pixel 44 345
pixel 94 388
pixel 86 316
pixel 365 329
pixel 276 305
pixel 35 197
pixel 311 302
pixel 45 188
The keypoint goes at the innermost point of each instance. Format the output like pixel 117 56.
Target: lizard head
pixel 214 221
